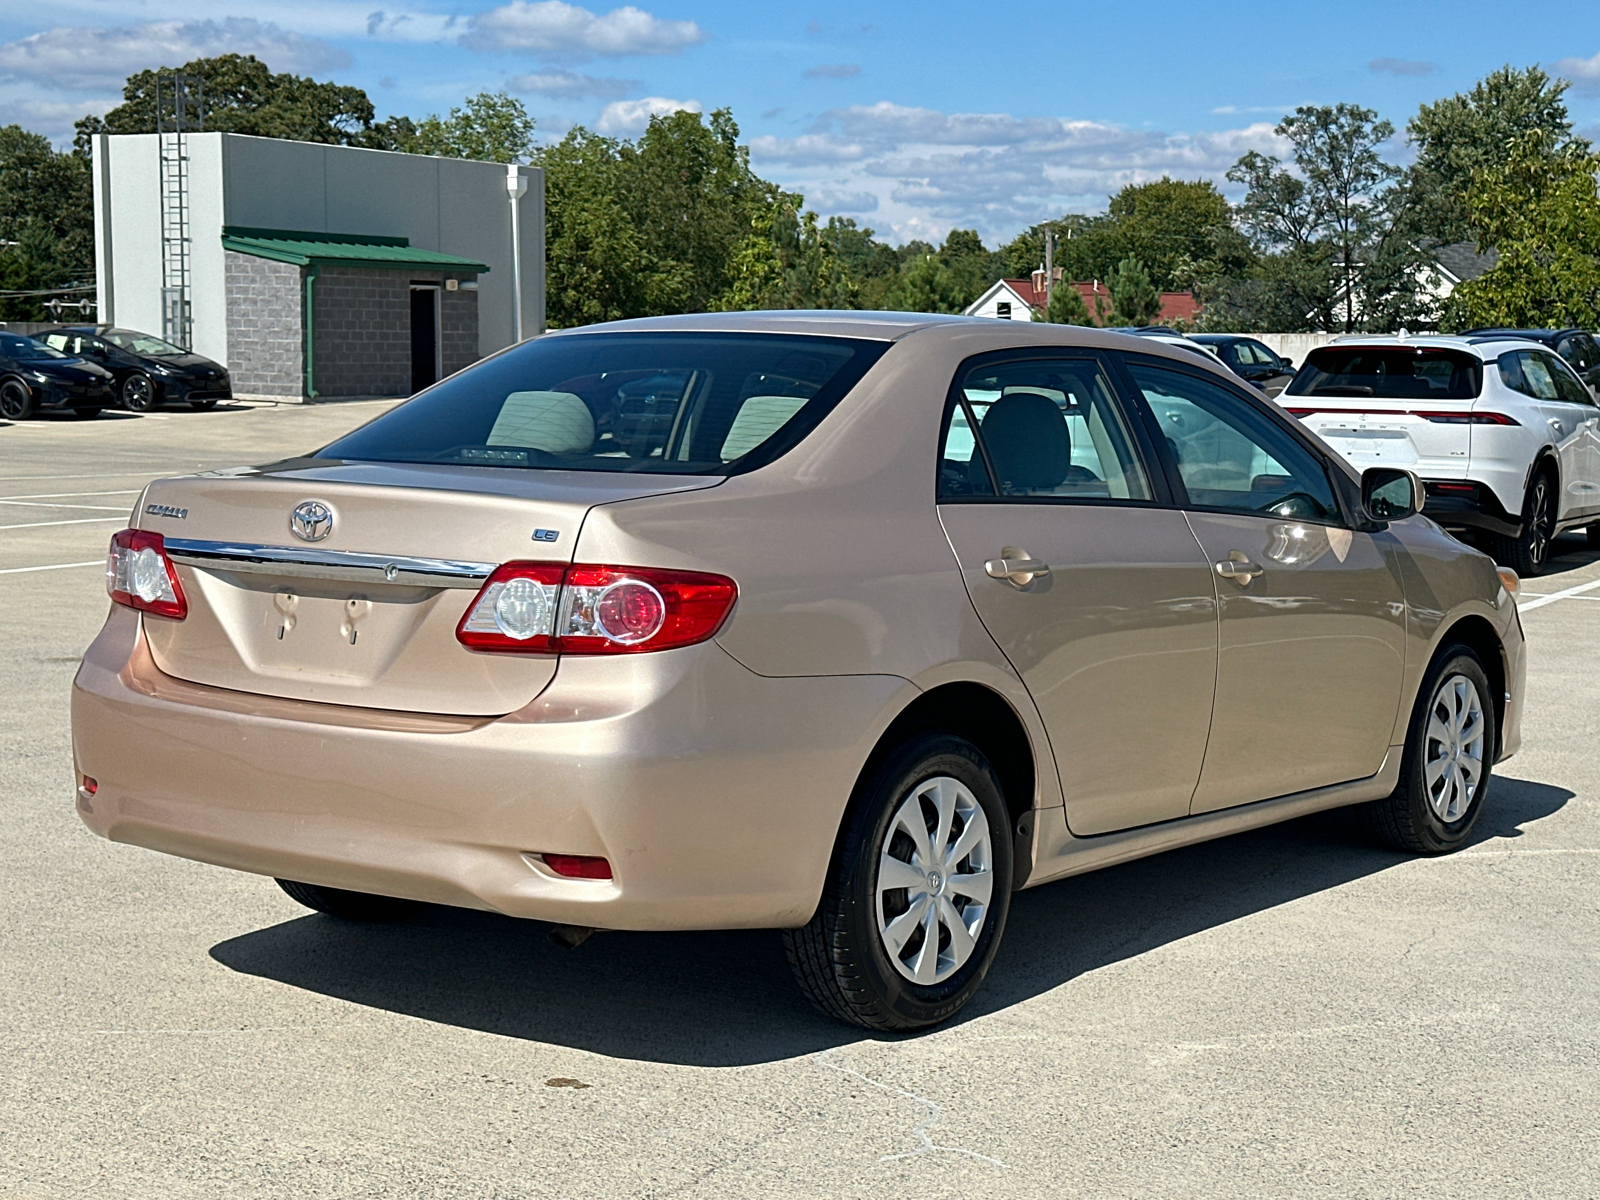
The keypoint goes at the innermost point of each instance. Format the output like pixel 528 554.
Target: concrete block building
pixel 316 271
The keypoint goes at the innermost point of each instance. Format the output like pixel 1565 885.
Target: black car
pixel 1577 346
pixel 1250 360
pixel 148 371
pixel 35 378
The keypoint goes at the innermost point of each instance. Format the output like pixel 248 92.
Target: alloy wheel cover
pixel 934 881
pixel 1454 741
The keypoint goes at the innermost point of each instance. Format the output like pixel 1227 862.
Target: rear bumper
pixel 1466 504
pixel 715 793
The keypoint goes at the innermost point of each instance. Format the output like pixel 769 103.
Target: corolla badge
pixel 311 521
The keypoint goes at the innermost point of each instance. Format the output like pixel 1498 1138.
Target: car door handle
pixel 1241 570
pixel 1020 571
pixel 1556 425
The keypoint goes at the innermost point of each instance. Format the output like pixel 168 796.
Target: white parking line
pixel 99 562
pixel 68 495
pixel 1552 597
pixel 42 504
pixel 74 521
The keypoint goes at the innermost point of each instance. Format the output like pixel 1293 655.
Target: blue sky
pixel 912 118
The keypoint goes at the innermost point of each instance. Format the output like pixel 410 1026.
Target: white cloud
pixel 930 171
pixel 100 59
pixel 1584 73
pixel 558 29
pixel 571 85
pixel 633 116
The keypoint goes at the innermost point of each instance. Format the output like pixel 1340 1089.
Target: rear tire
pixel 16 401
pixel 1453 733
pixel 1527 553
pixel 867 957
pixel 351 906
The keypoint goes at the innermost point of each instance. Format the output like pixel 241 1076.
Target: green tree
pixel 1168 226
pixel 1541 212
pixel 490 127
pixel 1135 300
pixel 46 225
pixel 1461 136
pixel 1331 208
pixel 241 95
pixel 1066 306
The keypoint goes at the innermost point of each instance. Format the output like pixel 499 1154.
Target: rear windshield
pixel 1389 373
pixel 664 403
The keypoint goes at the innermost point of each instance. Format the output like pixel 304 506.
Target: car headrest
pixel 556 422
pixel 1028 442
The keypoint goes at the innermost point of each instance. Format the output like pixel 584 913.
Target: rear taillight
pixel 549 608
pixel 140 575
pixel 1437 416
pixel 1465 418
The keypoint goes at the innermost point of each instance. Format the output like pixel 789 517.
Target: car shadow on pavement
pixel 726 998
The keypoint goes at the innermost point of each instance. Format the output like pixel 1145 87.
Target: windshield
pixel 14 345
pixel 662 403
pixel 142 343
pixel 1389 373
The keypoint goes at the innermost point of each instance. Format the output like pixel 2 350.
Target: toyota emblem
pixel 311 521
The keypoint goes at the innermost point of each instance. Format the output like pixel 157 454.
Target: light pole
pixel 516 188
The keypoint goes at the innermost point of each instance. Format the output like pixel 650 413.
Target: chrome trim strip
pixel 343 565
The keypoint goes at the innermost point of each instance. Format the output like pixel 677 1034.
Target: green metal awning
pixel 340 249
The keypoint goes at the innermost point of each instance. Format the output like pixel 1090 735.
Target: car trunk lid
pixel 365 614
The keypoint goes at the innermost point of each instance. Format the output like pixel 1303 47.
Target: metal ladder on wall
pixel 173 146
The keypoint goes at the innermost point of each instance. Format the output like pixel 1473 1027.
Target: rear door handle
pixel 1241 570
pixel 1020 571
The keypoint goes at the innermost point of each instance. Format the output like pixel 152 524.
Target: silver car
pixel 843 624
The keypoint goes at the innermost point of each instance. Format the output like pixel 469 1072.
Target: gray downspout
pixel 310 311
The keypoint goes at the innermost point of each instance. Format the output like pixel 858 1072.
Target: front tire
pixel 917 892
pixel 139 393
pixel 1450 751
pixel 16 401
pixel 351 906
pixel 1527 553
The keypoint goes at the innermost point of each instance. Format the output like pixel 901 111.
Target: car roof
pixel 1484 346
pixel 981 334
pixel 1536 335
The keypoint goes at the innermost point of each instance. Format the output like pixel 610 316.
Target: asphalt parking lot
pixel 1286 1013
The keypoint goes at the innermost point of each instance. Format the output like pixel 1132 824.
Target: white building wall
pixel 988 305
pixel 448 205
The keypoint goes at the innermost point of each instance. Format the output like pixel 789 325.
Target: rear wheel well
pixel 984 718
pixel 1478 635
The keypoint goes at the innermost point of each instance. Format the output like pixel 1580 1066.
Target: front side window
pixel 657 403
pixel 26 349
pixel 1569 387
pixel 1039 428
pixel 1231 456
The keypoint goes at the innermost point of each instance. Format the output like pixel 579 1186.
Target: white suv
pixel 1503 433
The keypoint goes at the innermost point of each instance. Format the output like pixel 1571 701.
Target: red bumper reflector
pixel 578 866
pixel 89 785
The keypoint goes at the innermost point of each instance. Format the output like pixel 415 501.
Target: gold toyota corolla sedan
pixel 843 624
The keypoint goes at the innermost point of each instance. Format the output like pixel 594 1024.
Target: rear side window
pixel 1039 428
pixel 663 403
pixel 1389 373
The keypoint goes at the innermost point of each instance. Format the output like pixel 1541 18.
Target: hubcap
pixel 1453 756
pixel 935 876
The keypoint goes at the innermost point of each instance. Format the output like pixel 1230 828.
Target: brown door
pixel 1311 635
pixel 1097 593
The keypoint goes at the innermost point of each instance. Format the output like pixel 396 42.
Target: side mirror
pixel 1286 363
pixel 1391 493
